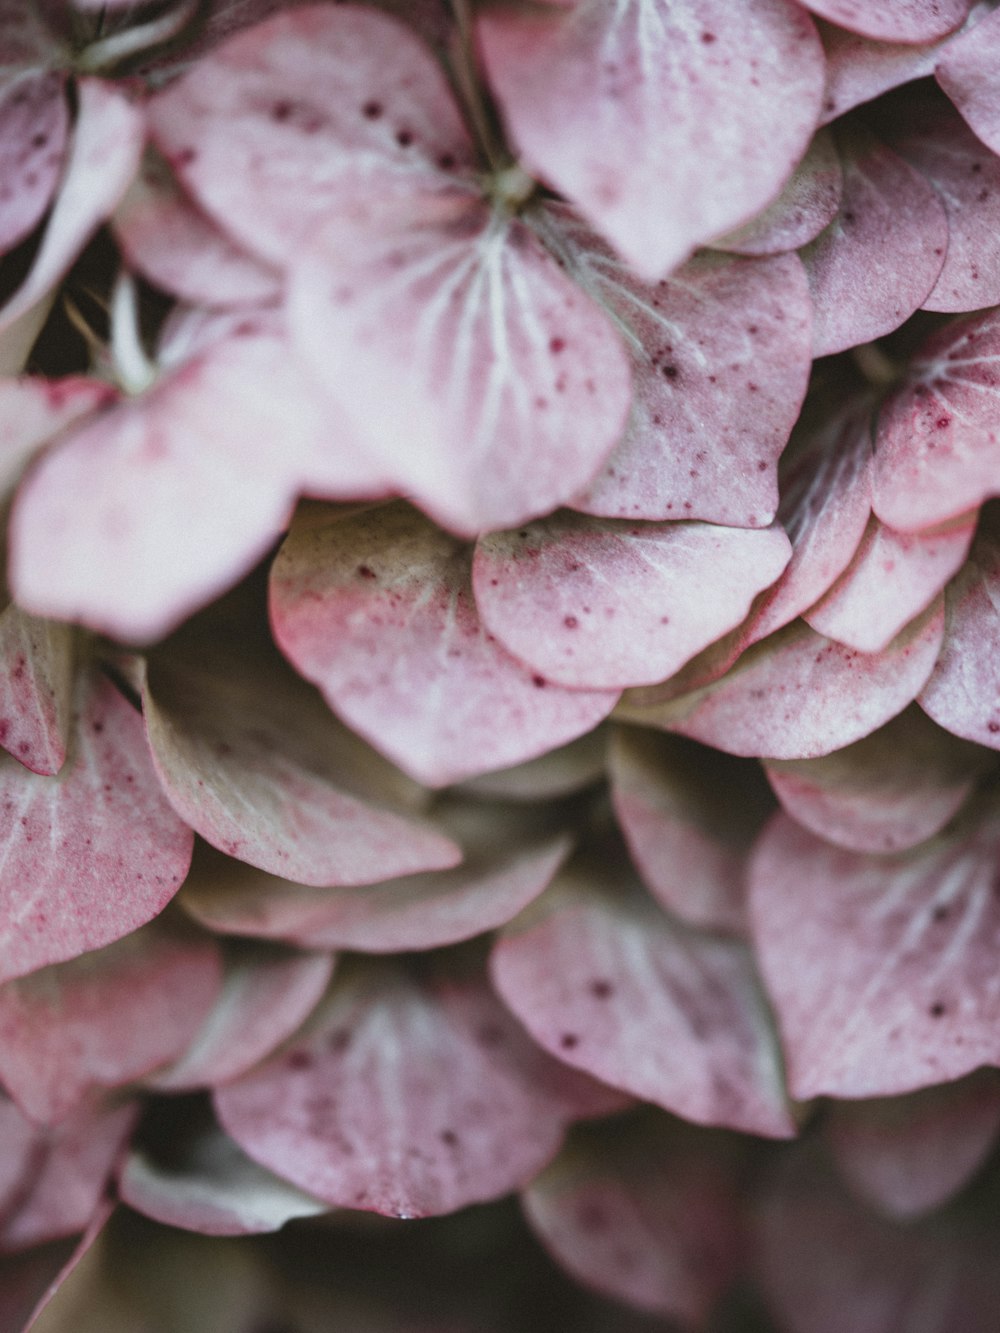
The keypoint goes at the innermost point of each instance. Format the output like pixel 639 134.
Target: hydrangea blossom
pixel 498 664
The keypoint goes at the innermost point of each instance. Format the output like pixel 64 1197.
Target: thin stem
pixel 134 370
pixel 466 77
pixel 107 52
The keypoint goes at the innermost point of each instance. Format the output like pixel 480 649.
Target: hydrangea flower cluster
pixel 500 665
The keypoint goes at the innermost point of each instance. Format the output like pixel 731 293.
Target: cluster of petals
pixel 500 661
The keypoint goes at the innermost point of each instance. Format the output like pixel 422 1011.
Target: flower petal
pixel 797 695
pixel 904 21
pixel 253 760
pixel 489 386
pixel 407 1097
pixel 377 609
pixel 605 981
pixel 937 446
pixel 602 604
pixel 105 1019
pixel 665 121
pixel 885 793
pixel 34 128
pixel 879 259
pixel 93 853
pixel 688 831
pixel 36 689
pixel 881 968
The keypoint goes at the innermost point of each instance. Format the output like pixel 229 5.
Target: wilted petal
pixel 908 1155
pixel 937 446
pixel 886 793
pixel 893 577
pixel 377 609
pixel 255 762
pixel 211 1186
pixel 93 853
pixel 266 994
pixel 665 121
pixel 289 120
pixel 105 1019
pixel 509 856
pixel 103 156
pixel 963 692
pixel 488 385
pixel 165 237
pixel 602 604
pixel 720 356
pixel 879 259
pixel 34 127
pixel 689 816
pixel 909 21
pixel 407 1097
pixel 797 695
pixel 643 1210
pixel 603 979
pixel 806 205
pixel 882 969
pixel 66 1173
pixel 36 689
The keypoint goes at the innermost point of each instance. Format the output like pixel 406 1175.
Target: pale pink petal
pixel 963 692
pixel 34 128
pixel 556 773
pixel 377 609
pixel 797 695
pixel 605 981
pixel 103 157
pixel 509 856
pixel 67 1169
pixel 165 237
pixel 645 1212
pixel 859 70
pixel 899 21
pixel 36 689
pixel 216 451
pixel 937 446
pixel 286 122
pixel 602 604
pixel 35 410
pixel 932 137
pixel 893 577
pixel 806 205
pixel 908 1155
pixel 879 259
pixel 967 73
pixel 489 386
pixel 267 993
pixel 826 481
pixel 212 1187
pixel 882 969
pixel 105 1019
pixel 665 123
pixel 254 761
pixel 720 357
pixel 92 854
pixel 407 1097
pixel 886 793
pixel 689 816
